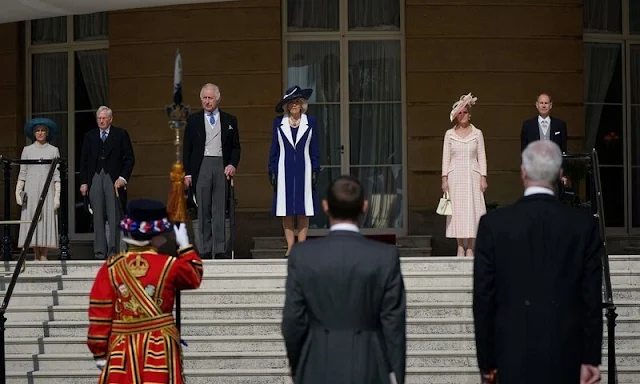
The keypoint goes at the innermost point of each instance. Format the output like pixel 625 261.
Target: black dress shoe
pixel 221 256
pixel 206 255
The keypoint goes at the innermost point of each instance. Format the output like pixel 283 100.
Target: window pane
pixel 49 82
pixel 315 65
pixel 94 26
pixel 634 16
pixel 49 31
pixel 606 121
pixel 383 190
pixel 612 181
pixel 92 82
pixel 603 94
pixel 320 220
pixel 85 121
pixel 316 15
pixel 635 74
pixel 635 135
pixel 328 121
pixel 377 15
pixel 635 193
pixel 602 16
pixel 375 133
pixel 374 71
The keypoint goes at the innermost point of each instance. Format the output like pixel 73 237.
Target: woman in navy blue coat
pixel 294 163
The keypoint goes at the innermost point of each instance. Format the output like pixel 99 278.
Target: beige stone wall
pixel 505 52
pixel 236 45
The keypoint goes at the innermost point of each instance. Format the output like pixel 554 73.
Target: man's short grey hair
pixel 542 161
pixel 103 109
pixel 216 90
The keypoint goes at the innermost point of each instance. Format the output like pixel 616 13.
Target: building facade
pixel 384 72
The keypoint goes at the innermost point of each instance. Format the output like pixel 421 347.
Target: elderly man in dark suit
pixel 106 164
pixel 344 317
pixel 537 284
pixel 211 154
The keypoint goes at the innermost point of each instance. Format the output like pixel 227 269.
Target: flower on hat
pixel 465 100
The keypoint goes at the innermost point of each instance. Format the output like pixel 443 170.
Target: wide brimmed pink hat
pixel 459 105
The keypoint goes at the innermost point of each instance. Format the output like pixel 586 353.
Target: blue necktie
pixel 212 119
pixel 103 136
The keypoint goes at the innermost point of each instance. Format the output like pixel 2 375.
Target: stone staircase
pixel 232 323
pixel 275 247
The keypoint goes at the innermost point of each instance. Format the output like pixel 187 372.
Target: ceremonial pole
pixel 176 204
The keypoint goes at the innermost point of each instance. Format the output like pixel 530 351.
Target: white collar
pixel 215 112
pixel 547 119
pixel 535 190
pixel 345 227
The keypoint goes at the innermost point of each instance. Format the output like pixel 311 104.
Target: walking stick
pixel 232 218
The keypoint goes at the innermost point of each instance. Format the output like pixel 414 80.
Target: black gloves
pixel 314 180
pixel 272 180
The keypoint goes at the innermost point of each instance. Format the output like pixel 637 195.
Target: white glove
pixel 182 237
pixel 19 187
pixel 56 195
pixel 101 363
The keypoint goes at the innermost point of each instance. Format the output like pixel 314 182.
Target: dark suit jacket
pixel 120 158
pixel 194 139
pixel 531 132
pixel 344 316
pixel 537 291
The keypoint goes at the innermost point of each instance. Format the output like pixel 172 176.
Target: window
pixel 612 105
pixel 68 81
pixel 350 53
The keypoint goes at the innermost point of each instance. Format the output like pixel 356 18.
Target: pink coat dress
pixel 464 161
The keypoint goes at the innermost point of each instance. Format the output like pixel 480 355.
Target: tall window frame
pixel 70 46
pixel 622 35
pixel 343 36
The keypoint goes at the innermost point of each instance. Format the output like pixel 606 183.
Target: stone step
pixel 237 327
pixel 430 264
pixel 270 295
pixel 271 343
pixel 437 375
pixel 269 360
pixel 414 241
pixel 277 280
pixel 279 253
pixel 262 311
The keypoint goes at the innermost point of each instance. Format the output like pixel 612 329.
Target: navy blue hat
pixel 30 126
pixel 145 219
pixel 292 94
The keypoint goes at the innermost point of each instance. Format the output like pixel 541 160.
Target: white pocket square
pixel 230 127
pixel 557 133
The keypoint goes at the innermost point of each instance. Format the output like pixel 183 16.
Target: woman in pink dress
pixel 464 175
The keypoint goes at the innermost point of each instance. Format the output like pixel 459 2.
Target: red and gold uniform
pixel 131 325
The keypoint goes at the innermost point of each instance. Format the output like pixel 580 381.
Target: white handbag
pixel 444 206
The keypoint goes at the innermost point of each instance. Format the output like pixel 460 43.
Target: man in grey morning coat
pixel 344 317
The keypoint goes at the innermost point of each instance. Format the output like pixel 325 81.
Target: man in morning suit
pixel 537 284
pixel 543 126
pixel 211 154
pixel 106 164
pixel 344 317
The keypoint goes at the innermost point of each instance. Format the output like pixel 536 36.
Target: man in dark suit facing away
pixel 537 284
pixel 106 164
pixel 211 155
pixel 344 317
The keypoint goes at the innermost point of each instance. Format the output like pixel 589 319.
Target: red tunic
pixel 131 324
